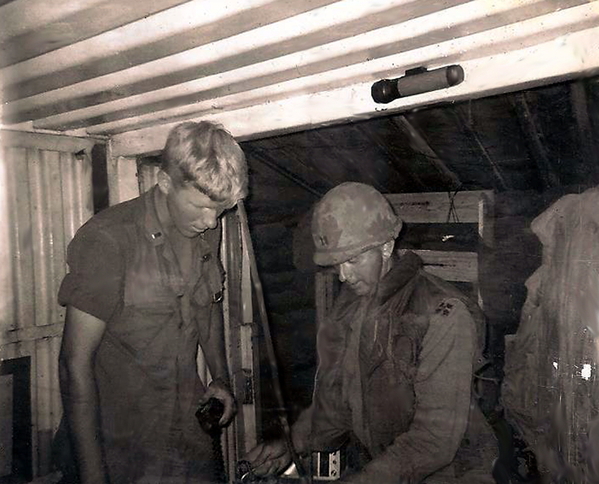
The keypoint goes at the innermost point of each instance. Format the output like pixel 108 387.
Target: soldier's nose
pixel 344 273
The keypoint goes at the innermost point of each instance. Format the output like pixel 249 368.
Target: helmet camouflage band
pixel 350 219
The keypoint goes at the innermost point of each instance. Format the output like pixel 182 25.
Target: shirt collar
pixel 153 229
pixel 404 268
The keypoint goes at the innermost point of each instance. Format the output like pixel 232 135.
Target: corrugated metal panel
pixel 45 197
pixel 147 176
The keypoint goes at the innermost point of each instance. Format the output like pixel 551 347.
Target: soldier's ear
pixel 388 249
pixel 165 182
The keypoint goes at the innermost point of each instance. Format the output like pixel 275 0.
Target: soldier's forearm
pixel 80 401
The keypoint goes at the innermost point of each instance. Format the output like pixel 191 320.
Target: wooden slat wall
pixel 45 196
pixel 442 208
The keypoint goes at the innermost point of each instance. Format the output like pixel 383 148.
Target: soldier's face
pixel 363 272
pixel 190 211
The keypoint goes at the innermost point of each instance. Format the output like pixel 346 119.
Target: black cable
pixel 452 212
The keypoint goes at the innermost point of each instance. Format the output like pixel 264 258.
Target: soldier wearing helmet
pixel 396 358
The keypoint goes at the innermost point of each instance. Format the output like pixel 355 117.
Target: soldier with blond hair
pixel 144 289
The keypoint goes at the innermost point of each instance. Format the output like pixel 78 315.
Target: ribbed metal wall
pixel 45 196
pixel 147 176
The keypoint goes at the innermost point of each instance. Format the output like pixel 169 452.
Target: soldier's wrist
pixel 222 381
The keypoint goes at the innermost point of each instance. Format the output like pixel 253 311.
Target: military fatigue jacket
pixel 123 271
pixel 395 370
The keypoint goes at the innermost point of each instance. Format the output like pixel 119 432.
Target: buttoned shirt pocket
pixel 209 288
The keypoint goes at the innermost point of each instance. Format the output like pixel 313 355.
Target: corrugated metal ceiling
pixel 131 69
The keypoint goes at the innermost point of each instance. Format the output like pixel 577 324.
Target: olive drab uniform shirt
pixel 395 371
pixel 123 271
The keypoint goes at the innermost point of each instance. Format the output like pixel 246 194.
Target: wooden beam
pixel 534 65
pixel 400 175
pixel 383 165
pixel 361 170
pixel 438 208
pixel 534 140
pixel 420 145
pixel 123 184
pixel 467 125
pixel 451 266
pixel 588 144
pixel 195 76
pixel 43 141
pixel 261 157
pixel 75 27
pixel 288 150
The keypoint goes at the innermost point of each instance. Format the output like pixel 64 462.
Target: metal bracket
pixel 248 387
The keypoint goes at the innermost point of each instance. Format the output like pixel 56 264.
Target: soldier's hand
pixel 269 458
pixel 221 392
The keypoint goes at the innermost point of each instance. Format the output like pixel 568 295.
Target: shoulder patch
pixel 446 307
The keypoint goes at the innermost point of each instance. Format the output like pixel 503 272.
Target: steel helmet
pixel 350 219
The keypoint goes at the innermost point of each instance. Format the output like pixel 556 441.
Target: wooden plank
pixel 75 27
pixel 10 161
pixel 589 146
pixel 486 218
pixel 262 157
pixel 420 145
pixel 247 354
pixel 281 154
pixel 534 139
pixel 39 166
pixel 486 232
pixel 21 230
pixel 122 178
pixel 49 142
pixel 512 70
pixel 451 266
pixel 436 207
pixel 115 97
pixel 384 137
pixel 233 312
pixel 474 135
pixel 433 236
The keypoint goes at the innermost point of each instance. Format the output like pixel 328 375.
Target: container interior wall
pixel 45 196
